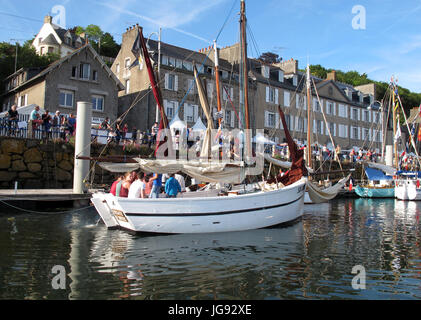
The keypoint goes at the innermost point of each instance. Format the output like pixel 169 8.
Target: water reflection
pixel 311 259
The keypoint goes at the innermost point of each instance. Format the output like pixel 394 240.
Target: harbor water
pixel 377 242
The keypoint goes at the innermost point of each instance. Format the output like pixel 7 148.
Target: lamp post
pixel 16 55
pixel 159 64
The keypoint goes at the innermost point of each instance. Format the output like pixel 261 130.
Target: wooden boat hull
pixel 203 215
pixel 365 192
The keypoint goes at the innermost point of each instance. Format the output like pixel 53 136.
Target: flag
pixel 419 134
pixel 137 52
pixel 398 133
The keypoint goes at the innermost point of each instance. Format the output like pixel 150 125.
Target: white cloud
pixel 165 14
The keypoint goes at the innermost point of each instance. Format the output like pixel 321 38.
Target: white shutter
pixel 278 123
pixel 296 123
pixel 322 127
pixel 267 94
pixel 232 93
pixel 175 83
pixel 232 119
pixel 167 76
pixel 266 119
pixel 292 123
pixel 305 103
pixel 276 96
pixel 334 108
pixel 185 112
pixel 314 126
pixel 305 125
pixel 334 129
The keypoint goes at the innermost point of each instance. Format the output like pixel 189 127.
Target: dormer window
pixel 266 71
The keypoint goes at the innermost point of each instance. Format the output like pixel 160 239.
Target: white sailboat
pixel 253 207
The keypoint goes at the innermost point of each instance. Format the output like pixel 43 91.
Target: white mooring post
pixel 82 145
pixel 389 155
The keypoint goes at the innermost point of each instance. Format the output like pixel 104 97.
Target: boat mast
pixel 218 86
pixel 243 22
pixel 395 142
pixel 308 118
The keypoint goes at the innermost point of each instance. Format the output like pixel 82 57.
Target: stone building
pixel 352 114
pixel 79 76
pixel 53 39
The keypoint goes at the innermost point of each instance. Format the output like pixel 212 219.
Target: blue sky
pixel 318 30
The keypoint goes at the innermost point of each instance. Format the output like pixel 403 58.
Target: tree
pixel 103 43
pixel 27 57
pixel 270 57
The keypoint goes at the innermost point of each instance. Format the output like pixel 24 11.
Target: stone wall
pixel 38 165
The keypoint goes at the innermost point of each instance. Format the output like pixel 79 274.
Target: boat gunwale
pixel 195 199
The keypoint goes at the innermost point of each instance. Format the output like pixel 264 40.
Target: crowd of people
pixel 48 125
pixel 138 185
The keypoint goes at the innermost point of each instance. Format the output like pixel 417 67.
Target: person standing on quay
pixel 13 118
pixel 46 118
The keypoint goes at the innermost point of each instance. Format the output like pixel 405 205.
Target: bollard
pixel 82 146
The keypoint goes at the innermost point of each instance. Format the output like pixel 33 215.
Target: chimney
pixel 48 19
pixel 331 75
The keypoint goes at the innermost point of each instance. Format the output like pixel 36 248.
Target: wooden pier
pixel 44 195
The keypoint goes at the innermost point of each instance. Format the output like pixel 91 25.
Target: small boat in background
pixel 408 185
pixel 379 185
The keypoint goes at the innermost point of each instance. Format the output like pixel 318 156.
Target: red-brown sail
pixel 298 168
pixel 140 44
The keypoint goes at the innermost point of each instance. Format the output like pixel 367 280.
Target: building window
pixel 227 93
pixel 330 108
pixel 66 98
pixel 170 107
pixel 316 105
pixel 366 115
pixel 74 72
pixel 287 98
pixel 272 95
pixel 343 111
pixel 171 82
pixel 191 112
pixel 117 68
pixel 191 86
pixel 95 75
pixel 127 86
pixel 127 63
pixel 85 71
pixel 187 66
pixel 354 114
pixel 98 103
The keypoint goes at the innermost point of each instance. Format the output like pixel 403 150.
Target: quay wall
pixel 36 164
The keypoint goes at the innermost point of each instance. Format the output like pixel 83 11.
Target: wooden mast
pixel 309 164
pixel 218 86
pixel 395 142
pixel 243 22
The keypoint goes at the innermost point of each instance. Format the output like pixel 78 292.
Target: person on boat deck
pixel 123 186
pixel 172 187
pixel 181 181
pixel 148 185
pixel 156 186
pixel 114 185
pixel 137 188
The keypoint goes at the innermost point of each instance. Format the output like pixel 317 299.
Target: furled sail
pixel 318 195
pixel 207 141
pixel 210 172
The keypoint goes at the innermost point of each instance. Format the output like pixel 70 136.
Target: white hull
pixel 205 214
pixel 407 190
